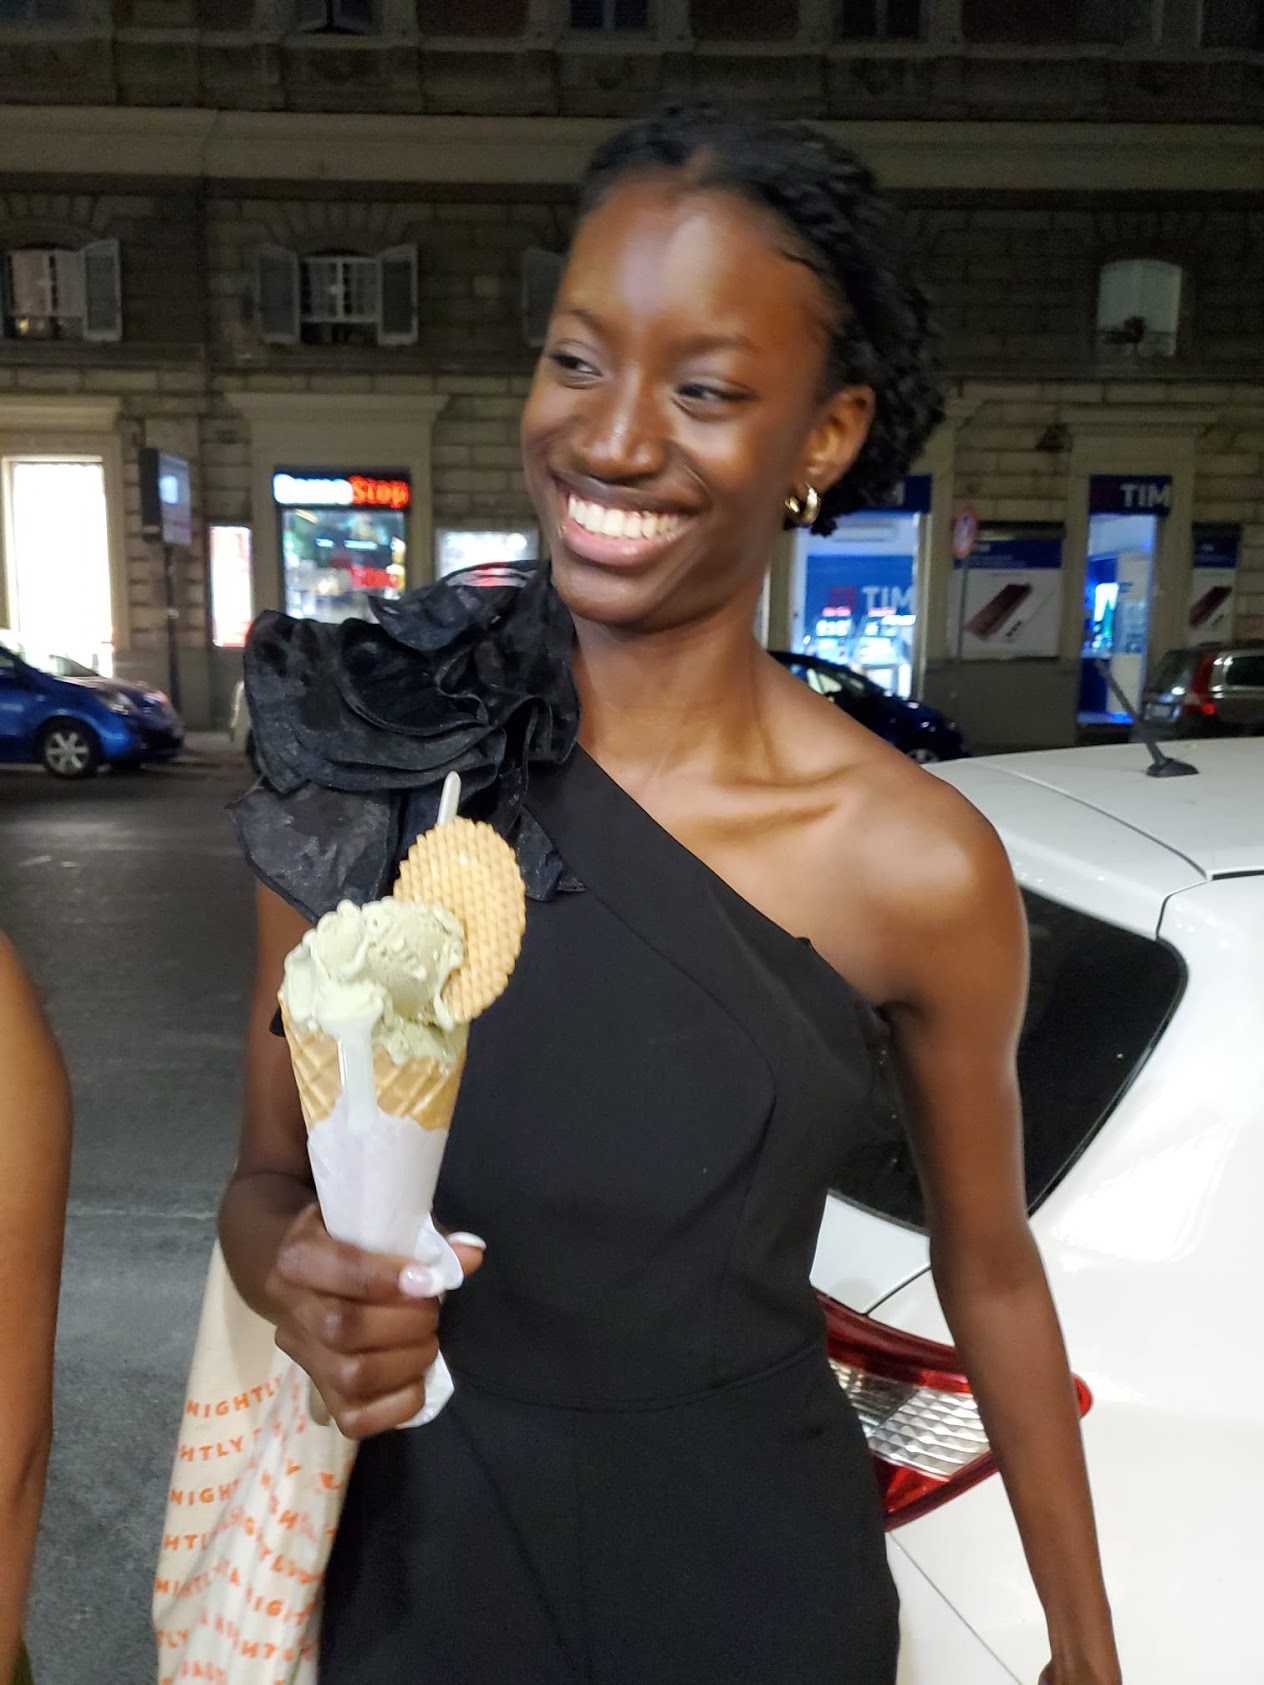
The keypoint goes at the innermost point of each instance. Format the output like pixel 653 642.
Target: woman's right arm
pixel 271 1185
pixel 363 1325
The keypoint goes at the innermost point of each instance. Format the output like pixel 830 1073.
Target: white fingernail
pixel 419 1281
pixel 461 1238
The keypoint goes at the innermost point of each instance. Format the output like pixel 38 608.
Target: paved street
pixel 129 903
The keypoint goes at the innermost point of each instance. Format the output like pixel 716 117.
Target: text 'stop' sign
pixel 322 490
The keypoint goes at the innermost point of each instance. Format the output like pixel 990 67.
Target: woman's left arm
pixel 34 1171
pixel 958 1007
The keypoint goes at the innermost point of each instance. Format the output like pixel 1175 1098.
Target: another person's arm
pixel 341 1313
pixel 34 1173
pixel 956 938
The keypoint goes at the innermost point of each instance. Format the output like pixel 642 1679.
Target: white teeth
pixel 609 522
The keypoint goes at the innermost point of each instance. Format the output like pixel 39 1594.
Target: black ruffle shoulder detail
pixel 356 726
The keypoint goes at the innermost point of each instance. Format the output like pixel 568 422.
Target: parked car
pixel 1214 691
pixel 922 733
pixel 1142 1071
pixel 240 734
pixel 73 721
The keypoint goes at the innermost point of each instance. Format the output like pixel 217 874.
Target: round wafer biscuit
pixel 469 869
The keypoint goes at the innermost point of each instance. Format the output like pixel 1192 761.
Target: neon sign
pixel 341 491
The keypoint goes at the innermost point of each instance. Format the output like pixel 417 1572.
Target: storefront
pixel 342 540
pixel 340 498
pixel 1125 521
pixel 60 530
pixel 855 593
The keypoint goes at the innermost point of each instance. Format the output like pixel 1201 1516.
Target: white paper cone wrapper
pixel 376 1187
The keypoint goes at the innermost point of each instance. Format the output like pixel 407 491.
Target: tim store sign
pixel 341 491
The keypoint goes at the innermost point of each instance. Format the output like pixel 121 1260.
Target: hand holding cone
pixel 374 1176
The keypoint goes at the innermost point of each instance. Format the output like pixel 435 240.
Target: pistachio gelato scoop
pixel 385 963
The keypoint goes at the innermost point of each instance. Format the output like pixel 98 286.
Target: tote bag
pixel 256 1491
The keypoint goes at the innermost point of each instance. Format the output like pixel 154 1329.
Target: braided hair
pixel 846 231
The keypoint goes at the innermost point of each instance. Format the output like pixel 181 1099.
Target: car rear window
pixel 1175 671
pixel 1100 997
pixel 829 683
pixel 1247 670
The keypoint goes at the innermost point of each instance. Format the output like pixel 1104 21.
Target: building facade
pixel 308 247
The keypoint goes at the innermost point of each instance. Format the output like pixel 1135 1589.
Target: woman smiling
pixel 648 1471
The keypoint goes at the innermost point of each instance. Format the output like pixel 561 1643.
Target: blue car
pixel 916 730
pixel 73 722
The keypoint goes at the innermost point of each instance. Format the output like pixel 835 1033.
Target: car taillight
pixel 1198 698
pixel 916 1408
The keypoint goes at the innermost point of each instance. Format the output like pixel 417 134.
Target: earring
pixel 804 510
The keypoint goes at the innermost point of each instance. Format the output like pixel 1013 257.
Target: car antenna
pixel 1161 765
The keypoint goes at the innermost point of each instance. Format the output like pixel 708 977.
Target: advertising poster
pixel 1008 597
pixel 1211 587
pixel 232 595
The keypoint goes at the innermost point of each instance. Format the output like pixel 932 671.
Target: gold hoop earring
pixel 804 510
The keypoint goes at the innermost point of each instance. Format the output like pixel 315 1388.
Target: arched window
pixel 1139 306
pixel 338 297
pixel 62 291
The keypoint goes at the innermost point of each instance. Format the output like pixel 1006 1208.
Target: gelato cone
pixel 421 1089
pixel 376 1003
pixel 378 971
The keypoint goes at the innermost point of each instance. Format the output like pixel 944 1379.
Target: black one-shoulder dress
pixel 647 1474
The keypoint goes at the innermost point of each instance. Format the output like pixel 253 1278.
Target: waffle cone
pixel 470 870
pixel 420 1089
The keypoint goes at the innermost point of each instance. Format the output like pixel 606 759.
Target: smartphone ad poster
pixel 1212 582
pixel 1009 596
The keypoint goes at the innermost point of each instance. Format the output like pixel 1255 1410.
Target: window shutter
pixel 397 296
pixel 541 274
pixel 70 282
pixel 28 283
pixel 277 295
pixel 102 291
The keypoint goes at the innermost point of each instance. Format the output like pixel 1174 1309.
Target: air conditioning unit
pixel 1139 307
pixel 541 273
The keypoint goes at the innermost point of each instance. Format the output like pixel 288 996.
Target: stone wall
pixel 1004 475
pixel 491 57
pixel 1015 284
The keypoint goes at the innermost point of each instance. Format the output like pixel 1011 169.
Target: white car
pixel 240 734
pixel 1142 1069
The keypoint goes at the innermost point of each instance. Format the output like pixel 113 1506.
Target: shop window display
pixel 343 542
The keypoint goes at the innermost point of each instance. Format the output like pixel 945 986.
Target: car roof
pixel 1089 827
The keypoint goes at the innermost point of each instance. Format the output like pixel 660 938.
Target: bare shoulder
pixel 911 889
pixel 919 833
pixel 887 810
